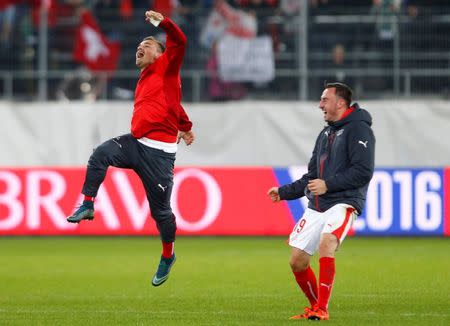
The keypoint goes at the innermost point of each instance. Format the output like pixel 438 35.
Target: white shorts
pixel 336 220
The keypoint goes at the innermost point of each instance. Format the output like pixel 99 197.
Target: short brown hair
pixel 342 90
pixel 160 44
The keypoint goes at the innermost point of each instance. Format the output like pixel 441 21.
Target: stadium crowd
pixel 362 38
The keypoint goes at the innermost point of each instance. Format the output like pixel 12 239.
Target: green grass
pixel 217 281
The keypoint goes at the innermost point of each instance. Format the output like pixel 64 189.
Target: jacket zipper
pixel 323 158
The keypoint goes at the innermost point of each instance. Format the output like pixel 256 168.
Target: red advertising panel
pixel 215 201
pixel 206 201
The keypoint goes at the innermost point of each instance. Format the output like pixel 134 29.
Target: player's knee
pixel 328 245
pixel 298 263
pixel 99 156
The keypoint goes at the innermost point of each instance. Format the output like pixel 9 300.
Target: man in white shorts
pixel 336 185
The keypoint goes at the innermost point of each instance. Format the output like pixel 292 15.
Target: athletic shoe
pixel 162 273
pixel 304 315
pixel 84 212
pixel 318 314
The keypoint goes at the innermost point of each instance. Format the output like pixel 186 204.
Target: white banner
pixel 213 29
pixel 244 59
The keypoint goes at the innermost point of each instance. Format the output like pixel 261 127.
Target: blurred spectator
pixel 290 12
pixel 384 11
pixel 93 50
pixel 7 16
pixel 317 3
pixel 256 4
pixel 434 35
pixel 423 29
pixel 219 90
pixel 385 30
pixel 337 68
pixel 6 26
pixel 174 9
pixel 67 15
pixel 166 7
pixel 338 64
pixel 290 7
pixel 126 9
pixel 109 13
pixel 51 6
pixel 412 9
pixel 265 12
pixel 224 20
pixel 238 22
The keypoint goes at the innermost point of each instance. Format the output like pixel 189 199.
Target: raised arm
pixel 176 40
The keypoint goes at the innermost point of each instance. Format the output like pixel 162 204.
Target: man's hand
pixel 317 187
pixel 187 136
pixel 153 17
pixel 273 194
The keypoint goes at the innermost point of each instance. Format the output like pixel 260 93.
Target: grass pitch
pixel 217 281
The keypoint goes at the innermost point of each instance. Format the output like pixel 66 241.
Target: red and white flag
pixel 92 48
pixel 226 20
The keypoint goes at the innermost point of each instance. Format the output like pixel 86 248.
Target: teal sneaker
pixel 162 273
pixel 84 212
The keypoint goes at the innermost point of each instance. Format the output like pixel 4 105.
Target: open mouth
pixel 139 54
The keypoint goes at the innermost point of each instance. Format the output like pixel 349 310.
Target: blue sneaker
pixel 162 273
pixel 84 212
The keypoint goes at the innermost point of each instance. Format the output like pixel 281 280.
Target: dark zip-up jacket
pixel 344 157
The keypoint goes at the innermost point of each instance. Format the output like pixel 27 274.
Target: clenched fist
pixel 273 194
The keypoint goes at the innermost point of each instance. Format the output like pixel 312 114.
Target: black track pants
pixel 154 167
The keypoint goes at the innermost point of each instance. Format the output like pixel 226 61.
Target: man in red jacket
pixel 158 124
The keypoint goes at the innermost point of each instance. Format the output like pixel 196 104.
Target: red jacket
pixel 158 113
